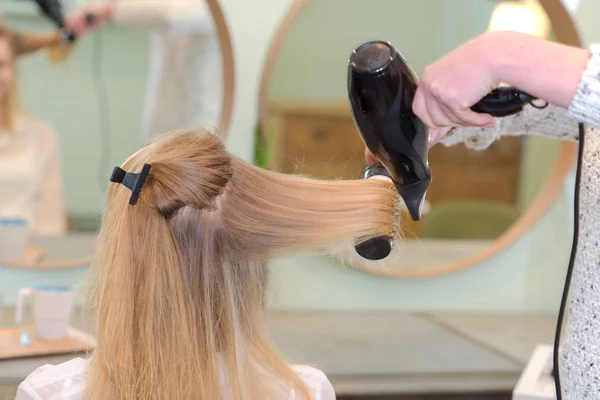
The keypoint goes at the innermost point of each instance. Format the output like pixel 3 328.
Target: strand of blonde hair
pixel 179 280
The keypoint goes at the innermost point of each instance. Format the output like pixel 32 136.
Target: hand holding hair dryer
pixel 381 88
pixel 52 9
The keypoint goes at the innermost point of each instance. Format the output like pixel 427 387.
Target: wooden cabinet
pixel 320 140
pixel 460 173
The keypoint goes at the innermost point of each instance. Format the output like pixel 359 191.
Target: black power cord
pixel 103 113
pixel 565 295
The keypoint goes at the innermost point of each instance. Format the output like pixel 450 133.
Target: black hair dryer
pixel 381 88
pixel 52 9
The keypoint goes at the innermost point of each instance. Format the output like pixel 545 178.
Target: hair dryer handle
pixel 505 101
pixel 53 10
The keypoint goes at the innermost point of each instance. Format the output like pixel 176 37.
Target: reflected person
pixel 31 185
pixel 181 271
pixel 185 82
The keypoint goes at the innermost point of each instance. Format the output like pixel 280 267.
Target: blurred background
pixel 462 305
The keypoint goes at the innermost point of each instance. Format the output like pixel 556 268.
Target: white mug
pixel 52 309
pixel 14 237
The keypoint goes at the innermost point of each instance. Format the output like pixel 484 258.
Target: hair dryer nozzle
pixel 414 197
pixel 381 88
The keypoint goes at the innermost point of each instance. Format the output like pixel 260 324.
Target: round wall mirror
pixel 120 86
pixel 479 201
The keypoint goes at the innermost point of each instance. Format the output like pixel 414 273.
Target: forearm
pixel 51 219
pixel 554 122
pixel 545 69
pixel 50 216
pixel 26 43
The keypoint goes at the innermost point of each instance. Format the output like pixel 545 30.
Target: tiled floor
pixel 8 392
pixel 498 396
pixel 366 352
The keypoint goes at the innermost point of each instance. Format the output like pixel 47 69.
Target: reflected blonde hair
pixel 22 44
pixel 179 279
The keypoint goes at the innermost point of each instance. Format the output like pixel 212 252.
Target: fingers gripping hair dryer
pixel 381 88
pixel 53 10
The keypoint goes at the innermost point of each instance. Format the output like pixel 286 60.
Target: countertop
pixel 386 352
pixel 424 253
pixel 60 249
pixel 67 247
pixel 361 352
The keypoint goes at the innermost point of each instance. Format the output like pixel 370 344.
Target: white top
pixel 185 77
pixel 31 185
pixel 66 381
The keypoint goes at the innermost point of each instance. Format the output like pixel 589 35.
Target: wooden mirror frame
pixel 222 130
pixel 565 31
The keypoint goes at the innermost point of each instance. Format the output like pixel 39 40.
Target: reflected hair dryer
pixel 52 9
pixel 381 88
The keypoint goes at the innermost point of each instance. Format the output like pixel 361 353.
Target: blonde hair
pixel 179 278
pixel 24 44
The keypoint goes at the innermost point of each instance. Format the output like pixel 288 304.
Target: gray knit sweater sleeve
pixel 579 364
pixel 585 106
pixel 552 121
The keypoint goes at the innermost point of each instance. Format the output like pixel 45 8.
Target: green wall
pixel 539 157
pixel 66 96
pixel 312 63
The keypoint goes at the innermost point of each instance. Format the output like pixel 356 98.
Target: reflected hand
pixel 80 22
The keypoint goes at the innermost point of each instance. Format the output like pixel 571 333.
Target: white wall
pixel 587 18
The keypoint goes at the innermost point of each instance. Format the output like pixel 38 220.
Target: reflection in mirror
pixel 475 196
pixel 150 71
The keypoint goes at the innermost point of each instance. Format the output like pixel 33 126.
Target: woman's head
pixel 8 92
pixel 6 65
pixel 12 46
pixel 180 276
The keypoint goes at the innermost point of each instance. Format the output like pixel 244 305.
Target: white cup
pixel 52 309
pixel 14 237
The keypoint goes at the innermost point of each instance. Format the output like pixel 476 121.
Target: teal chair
pixel 468 220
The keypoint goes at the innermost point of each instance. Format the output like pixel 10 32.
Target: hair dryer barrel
pixel 381 88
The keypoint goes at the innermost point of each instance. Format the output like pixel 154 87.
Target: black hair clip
pixel 133 182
